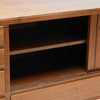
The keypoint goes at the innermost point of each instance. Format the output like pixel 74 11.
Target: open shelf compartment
pixel 47 52
pixel 41 67
pixel 50 34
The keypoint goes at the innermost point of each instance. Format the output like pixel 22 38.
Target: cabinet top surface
pixel 21 8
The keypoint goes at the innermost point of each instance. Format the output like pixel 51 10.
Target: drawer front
pixel 1 58
pixel 78 90
pixel 2 99
pixel 2 83
pixel 1 36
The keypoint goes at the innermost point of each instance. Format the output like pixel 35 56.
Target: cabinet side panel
pixel 92 29
pixel 97 59
pixel 7 62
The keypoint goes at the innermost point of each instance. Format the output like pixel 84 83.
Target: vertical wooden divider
pixel 91 42
pixel 97 58
pixel 7 61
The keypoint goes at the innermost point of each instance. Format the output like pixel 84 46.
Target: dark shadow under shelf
pixel 34 69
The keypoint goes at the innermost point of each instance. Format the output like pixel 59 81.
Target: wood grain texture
pixel 27 19
pixel 20 11
pixel 97 59
pixel 79 90
pixel 15 52
pixel 1 36
pixel 2 62
pixel 2 83
pixel 17 11
pixel 2 99
pixel 37 7
pixel 91 42
pixel 7 62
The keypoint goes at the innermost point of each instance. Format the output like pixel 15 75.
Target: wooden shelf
pixel 15 52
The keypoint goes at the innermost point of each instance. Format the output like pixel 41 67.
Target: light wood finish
pixel 7 62
pixel 1 36
pixel 15 52
pixel 35 10
pixel 2 62
pixel 38 7
pixel 97 59
pixel 91 42
pixel 21 11
pixel 2 83
pixel 79 90
pixel 2 99
pixel 49 16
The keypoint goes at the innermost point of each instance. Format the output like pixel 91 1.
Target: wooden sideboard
pixel 49 50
